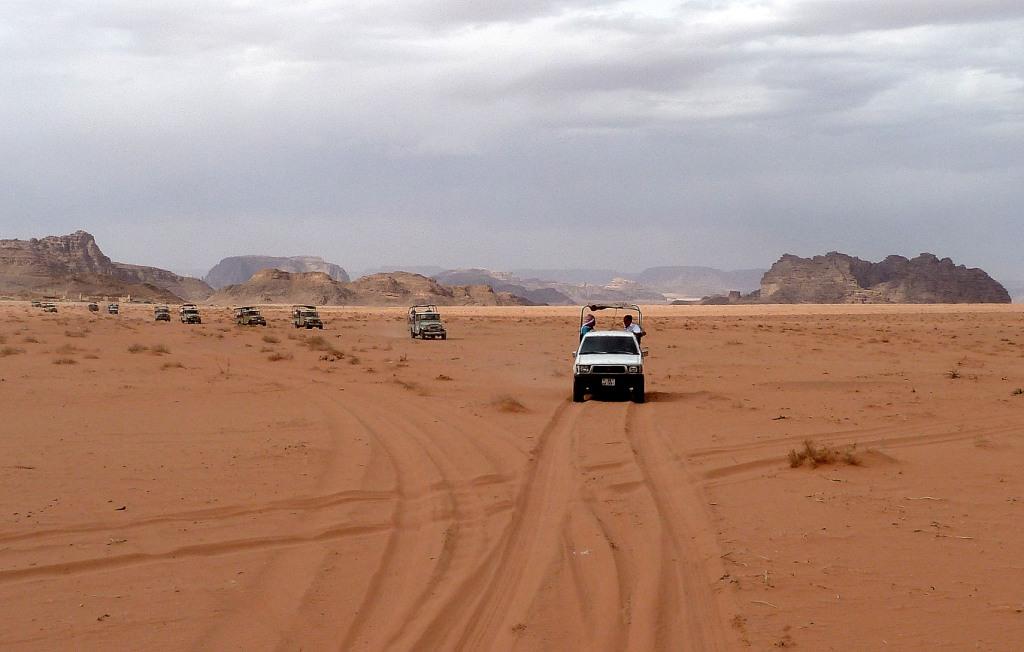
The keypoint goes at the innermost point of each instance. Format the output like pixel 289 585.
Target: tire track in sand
pixel 532 539
pixel 694 604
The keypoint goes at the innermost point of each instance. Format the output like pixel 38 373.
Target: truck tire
pixel 638 392
pixel 444 337
pixel 578 390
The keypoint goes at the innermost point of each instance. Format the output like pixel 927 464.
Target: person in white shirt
pixel 629 326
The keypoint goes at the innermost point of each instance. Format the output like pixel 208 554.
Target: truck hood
pixel 609 358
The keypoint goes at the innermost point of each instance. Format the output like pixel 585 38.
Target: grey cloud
pixel 515 133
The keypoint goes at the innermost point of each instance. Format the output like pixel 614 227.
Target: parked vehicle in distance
pixel 189 314
pixel 113 308
pixel 425 322
pixel 306 317
pixel 609 361
pixel 37 304
pixel 94 307
pixel 249 316
pixel 49 307
pixel 162 313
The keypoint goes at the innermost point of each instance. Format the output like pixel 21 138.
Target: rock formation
pixel 387 289
pixel 239 269
pixel 73 264
pixel 839 278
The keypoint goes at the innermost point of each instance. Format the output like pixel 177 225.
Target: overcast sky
pixel 515 133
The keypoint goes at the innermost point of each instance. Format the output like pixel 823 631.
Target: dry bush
pixel 270 339
pixel 953 374
pixel 407 384
pixel 509 404
pixel 65 361
pixel 320 343
pixel 1018 391
pixel 171 365
pixel 31 339
pixel 10 350
pixel 159 349
pixel 816 456
pixel 137 348
pixel 3 339
pixel 354 360
pixel 81 333
pixel 443 377
pixel 275 357
pixel 91 356
pixel 67 349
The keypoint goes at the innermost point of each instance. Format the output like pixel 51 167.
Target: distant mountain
pixel 70 265
pixel 422 270
pixel 502 282
pixel 839 278
pixel 389 289
pixel 698 281
pixel 238 269
pixel 571 276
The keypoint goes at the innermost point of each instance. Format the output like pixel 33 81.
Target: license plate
pixel 608 382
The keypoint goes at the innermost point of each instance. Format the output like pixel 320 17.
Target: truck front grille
pixel 608 369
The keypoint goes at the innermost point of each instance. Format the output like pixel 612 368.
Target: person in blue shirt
pixel 588 325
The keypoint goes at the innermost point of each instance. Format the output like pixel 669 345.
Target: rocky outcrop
pixel 276 286
pixel 70 265
pixel 239 269
pixel 404 288
pixel 839 278
pixel 186 287
pixel 386 289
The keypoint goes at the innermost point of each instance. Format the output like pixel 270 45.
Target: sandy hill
pixel 239 269
pixel 385 289
pixel 73 264
pixel 839 278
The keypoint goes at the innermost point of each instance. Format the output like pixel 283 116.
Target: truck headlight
pixel 582 369
pixel 634 369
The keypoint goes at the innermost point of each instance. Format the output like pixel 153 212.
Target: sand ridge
pixel 231 488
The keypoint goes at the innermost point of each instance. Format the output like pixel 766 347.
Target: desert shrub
pixel 270 339
pixel 277 357
pixel 65 361
pixel 10 350
pixel 171 365
pixel 81 333
pixel 816 455
pixel 160 349
pixel 137 348
pixel 509 404
pixel 31 339
pixel 67 349
pixel 91 356
pixel 953 374
pixel 443 377
pixel 1018 391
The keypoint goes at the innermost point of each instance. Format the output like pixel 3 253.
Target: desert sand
pixel 213 487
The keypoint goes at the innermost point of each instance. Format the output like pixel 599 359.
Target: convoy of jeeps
pixel 606 362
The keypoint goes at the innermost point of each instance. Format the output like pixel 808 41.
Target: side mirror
pixel 644 352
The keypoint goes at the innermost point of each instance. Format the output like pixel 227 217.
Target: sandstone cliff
pixel 239 269
pixel 839 278
pixel 389 289
pixel 73 264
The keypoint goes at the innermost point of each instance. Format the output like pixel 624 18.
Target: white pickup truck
pixel 608 361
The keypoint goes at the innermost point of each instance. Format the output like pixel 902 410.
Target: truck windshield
pixel 609 345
